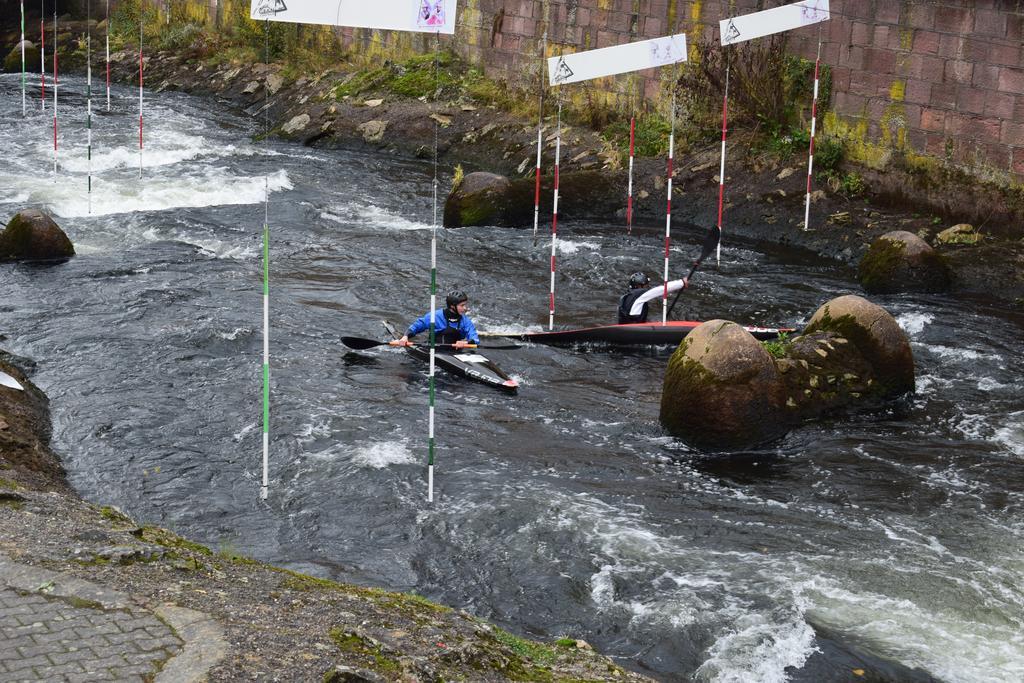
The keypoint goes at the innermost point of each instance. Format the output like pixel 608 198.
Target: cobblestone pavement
pixel 55 627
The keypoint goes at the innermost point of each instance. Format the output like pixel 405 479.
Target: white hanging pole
pixel 55 86
pixel 108 55
pixel 554 216
pixel 140 91
pixel 721 167
pixel 668 207
pixel 629 187
pixel 264 488
pixel 814 120
pixel 42 53
pixel 23 110
pixel 88 95
pixel 433 301
pixel 540 127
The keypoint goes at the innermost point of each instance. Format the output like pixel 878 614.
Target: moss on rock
pixel 32 235
pixel 901 261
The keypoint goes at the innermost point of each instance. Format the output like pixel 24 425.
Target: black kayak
pixel 671 332
pixel 469 364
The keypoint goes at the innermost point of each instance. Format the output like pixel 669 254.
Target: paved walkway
pixel 55 627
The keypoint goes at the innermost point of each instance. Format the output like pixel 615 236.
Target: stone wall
pixel 924 82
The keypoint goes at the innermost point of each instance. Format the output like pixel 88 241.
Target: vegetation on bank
pixel 769 94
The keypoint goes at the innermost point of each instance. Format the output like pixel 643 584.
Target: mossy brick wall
pixel 921 82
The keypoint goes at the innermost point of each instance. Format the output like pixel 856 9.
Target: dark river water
pixel 894 536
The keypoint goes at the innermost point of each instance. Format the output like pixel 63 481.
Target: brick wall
pixel 924 81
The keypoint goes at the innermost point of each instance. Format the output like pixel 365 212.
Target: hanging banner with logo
pixel 428 16
pixel 777 20
pixel 618 59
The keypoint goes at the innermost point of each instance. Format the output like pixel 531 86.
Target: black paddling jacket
pixel 626 303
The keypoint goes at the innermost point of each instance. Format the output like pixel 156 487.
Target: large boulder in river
pixel 877 337
pixel 901 261
pixel 32 235
pixel 723 390
pixel 490 199
pixel 12 62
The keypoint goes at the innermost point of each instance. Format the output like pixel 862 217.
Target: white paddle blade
pixel 8 381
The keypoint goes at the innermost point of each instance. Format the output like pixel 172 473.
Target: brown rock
pixel 723 390
pixel 901 261
pixel 32 235
pixel 878 338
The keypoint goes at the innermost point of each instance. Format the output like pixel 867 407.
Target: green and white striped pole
pixel 266 286
pixel 56 83
pixel 433 297
pixel 23 111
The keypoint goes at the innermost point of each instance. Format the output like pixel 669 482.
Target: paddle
pixel 710 243
pixel 360 344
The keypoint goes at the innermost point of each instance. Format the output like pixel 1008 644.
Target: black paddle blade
pixel 710 242
pixel 359 343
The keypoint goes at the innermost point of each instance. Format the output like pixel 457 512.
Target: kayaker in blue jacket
pixel 451 324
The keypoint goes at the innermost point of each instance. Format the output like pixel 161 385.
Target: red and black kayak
pixel 671 332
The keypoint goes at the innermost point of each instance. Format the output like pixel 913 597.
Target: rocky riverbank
pixel 258 622
pixel 765 192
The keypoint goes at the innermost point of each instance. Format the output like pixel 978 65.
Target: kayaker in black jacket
pixel 633 304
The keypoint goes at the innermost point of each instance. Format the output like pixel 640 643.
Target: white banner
pixel 429 16
pixel 785 18
pixel 618 59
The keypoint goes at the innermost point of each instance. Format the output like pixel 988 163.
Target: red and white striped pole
pixel 814 119
pixel 540 126
pixel 42 54
pixel 668 208
pixel 721 167
pixel 629 187
pixel 554 217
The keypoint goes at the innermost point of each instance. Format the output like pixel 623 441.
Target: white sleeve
pixel 654 293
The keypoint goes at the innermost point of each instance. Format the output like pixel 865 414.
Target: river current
pixel 891 536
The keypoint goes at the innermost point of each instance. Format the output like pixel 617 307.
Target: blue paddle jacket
pixel 464 330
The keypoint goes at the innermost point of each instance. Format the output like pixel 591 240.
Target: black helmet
pixel 455 297
pixel 638 280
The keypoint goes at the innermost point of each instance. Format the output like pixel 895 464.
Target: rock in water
pixel 878 338
pixel 32 235
pixel 901 261
pixel 480 199
pixel 723 390
pixel 12 62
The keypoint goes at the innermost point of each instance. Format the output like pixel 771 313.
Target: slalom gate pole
pixel 814 120
pixel 433 301
pixel 629 187
pixel 108 55
pixel 721 167
pixel 23 110
pixel 88 95
pixel 264 488
pixel 42 53
pixel 540 127
pixel 55 86
pixel 554 215
pixel 668 207
pixel 140 89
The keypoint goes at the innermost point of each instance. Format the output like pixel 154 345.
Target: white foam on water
pixel 1011 435
pixel 381 454
pixel 958 353
pixel 180 148
pixel 989 384
pixel 569 247
pixel 371 216
pixel 311 431
pixel 914 323
pixel 233 335
pixel 216 187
